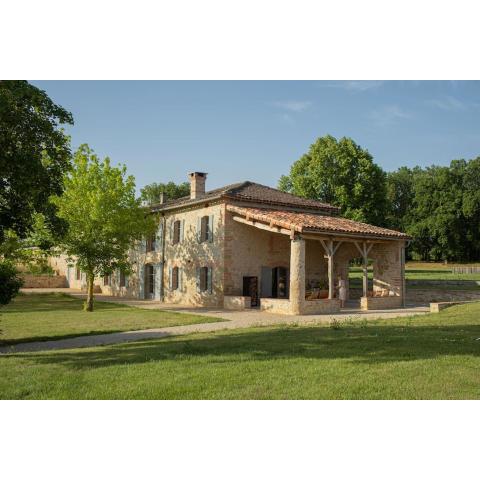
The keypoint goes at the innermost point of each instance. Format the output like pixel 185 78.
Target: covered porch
pixel 321 249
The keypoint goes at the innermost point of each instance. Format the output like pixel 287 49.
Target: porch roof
pixel 313 223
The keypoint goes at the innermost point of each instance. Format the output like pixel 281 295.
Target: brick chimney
pixel 197 184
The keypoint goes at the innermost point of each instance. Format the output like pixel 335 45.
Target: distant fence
pixel 460 270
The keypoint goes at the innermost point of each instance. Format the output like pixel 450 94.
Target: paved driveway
pixel 234 319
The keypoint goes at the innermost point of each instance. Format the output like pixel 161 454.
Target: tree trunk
pixel 89 303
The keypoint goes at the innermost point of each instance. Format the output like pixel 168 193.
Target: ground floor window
pixel 122 282
pixel 204 279
pixel 106 280
pixel 78 274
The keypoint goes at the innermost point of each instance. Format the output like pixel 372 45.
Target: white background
pixel 208 39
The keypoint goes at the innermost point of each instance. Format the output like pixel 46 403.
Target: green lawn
pixel 426 357
pixel 56 315
pixel 421 275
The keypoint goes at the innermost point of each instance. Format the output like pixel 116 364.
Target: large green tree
pixel 400 196
pixel 34 155
pixel 103 216
pixel 444 218
pixel 343 174
pixel 151 193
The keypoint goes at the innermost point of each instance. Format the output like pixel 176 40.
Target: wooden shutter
pixel 182 230
pixel 175 278
pixel 209 279
pixel 210 228
pixel 199 229
pixel 180 279
pixel 198 279
pixel 170 278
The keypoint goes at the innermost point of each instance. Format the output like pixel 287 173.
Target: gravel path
pixel 233 320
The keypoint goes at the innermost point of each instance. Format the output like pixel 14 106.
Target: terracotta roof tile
pixel 253 192
pixel 303 222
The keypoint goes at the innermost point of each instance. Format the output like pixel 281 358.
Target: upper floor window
pixel 151 243
pixel 205 228
pixel 176 231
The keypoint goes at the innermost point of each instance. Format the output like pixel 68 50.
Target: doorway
pixel 274 282
pixel 149 281
pixel 250 289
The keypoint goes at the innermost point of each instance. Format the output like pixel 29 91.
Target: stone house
pixel 251 246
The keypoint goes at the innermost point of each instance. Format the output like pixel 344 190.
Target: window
pixel 204 279
pixel 176 232
pixel 205 228
pixel 175 278
pixel 151 243
pixel 106 280
pixel 150 279
pixel 122 282
pixel 78 274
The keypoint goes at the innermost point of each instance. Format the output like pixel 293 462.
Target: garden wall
pixel 44 281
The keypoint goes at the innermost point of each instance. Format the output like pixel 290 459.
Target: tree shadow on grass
pixel 53 302
pixel 367 344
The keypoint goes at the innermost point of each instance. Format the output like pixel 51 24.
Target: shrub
pixel 10 283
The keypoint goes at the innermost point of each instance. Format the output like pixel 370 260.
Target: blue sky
pixel 255 130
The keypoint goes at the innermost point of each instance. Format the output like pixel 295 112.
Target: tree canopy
pixel 34 155
pixel 103 216
pixel 440 208
pixel 151 193
pixel 341 173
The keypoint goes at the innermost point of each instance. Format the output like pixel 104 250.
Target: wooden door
pixel 250 289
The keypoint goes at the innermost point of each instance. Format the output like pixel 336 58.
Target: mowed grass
pixel 423 273
pixel 424 357
pixel 54 316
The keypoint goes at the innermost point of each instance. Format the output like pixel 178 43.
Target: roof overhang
pixel 267 220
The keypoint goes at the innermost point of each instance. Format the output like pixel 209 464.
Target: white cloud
pixel 293 105
pixel 447 103
pixel 387 115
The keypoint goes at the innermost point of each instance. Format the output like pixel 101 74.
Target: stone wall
pixel 319 307
pixel 247 250
pixel 380 303
pixel 232 302
pixel 276 305
pixel 44 281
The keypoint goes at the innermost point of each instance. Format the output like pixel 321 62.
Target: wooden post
pixel 331 284
pixel 365 270
pixel 364 251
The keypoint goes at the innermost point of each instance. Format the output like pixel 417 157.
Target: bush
pixel 10 283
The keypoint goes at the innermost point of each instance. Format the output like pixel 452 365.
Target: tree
pixel 444 217
pixel 104 218
pixel 400 196
pixel 343 174
pixel 9 282
pixel 34 155
pixel 151 193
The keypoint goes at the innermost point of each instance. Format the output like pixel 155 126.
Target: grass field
pixel 54 316
pixel 425 357
pixel 419 274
